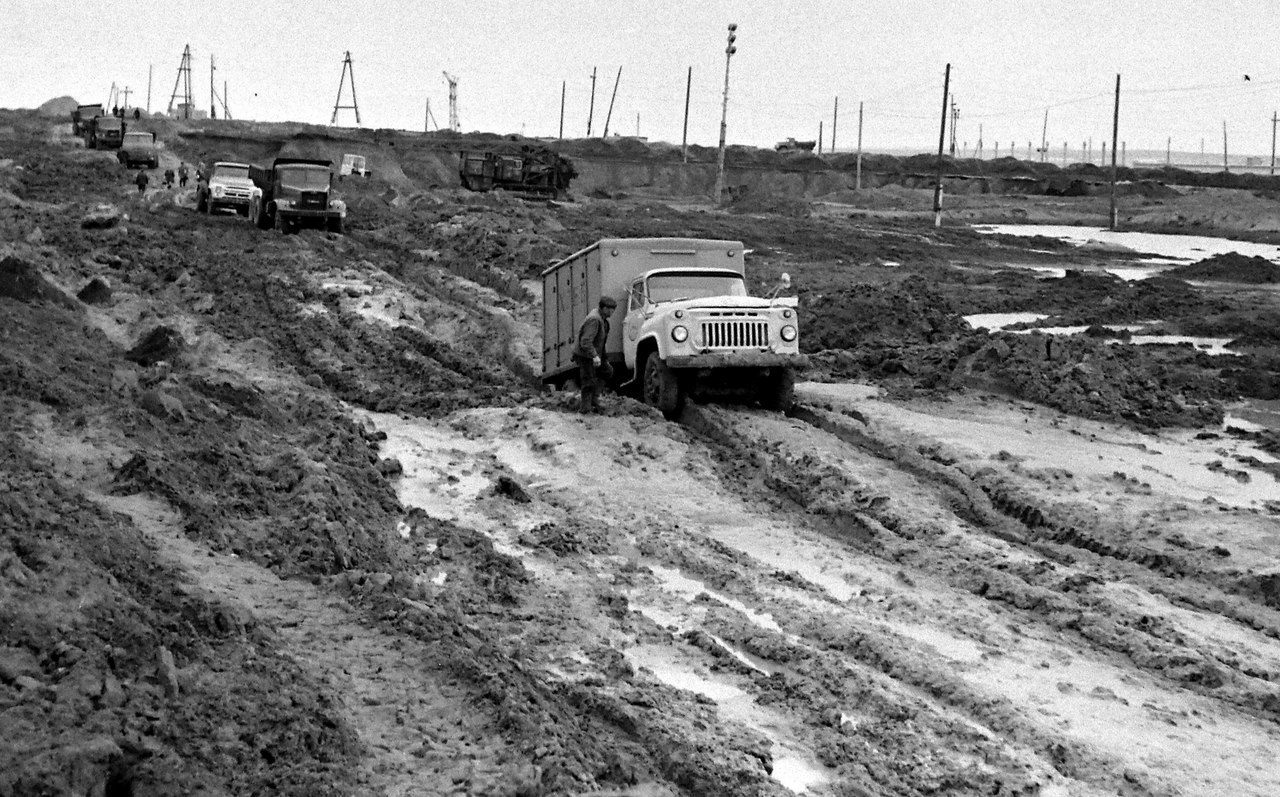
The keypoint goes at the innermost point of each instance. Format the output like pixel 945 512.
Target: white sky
pixel 1182 65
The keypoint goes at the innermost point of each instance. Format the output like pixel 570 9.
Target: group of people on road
pixel 141 179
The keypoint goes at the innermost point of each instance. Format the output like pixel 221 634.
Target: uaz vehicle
pixel 139 148
pixel 685 324
pixel 226 185
pixel 294 193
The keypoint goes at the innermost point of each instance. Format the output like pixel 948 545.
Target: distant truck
pixel 139 148
pixel 225 185
pixel 104 132
pixel 353 164
pixel 531 170
pixel 82 114
pixel 296 193
pixel 684 326
pixel 791 145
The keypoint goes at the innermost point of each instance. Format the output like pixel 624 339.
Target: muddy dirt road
pixel 289 515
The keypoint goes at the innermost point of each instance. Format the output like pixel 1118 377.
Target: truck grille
pixel 312 200
pixel 735 334
pixel 235 194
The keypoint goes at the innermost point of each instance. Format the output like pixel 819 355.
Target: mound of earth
pixel 58 106
pixel 1231 267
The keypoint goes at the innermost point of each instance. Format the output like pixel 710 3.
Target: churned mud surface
pixel 291 514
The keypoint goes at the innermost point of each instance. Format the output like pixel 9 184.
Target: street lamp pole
pixel 729 50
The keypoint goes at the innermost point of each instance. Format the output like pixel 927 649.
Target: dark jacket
pixel 591 337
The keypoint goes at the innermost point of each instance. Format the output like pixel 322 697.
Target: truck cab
pixel 139 148
pixel 106 132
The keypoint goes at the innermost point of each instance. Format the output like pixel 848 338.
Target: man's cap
pixel 608 301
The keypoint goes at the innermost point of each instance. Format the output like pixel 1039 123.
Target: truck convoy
pixel 226 185
pixel 99 129
pixel 82 114
pixel 295 193
pixel 685 324
pixel 139 148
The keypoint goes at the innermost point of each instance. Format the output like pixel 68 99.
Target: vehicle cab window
pixel 636 294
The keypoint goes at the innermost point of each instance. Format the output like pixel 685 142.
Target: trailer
pixel 685 324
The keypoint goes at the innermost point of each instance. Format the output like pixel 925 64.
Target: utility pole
pixel 1044 137
pixel 1273 143
pixel 942 136
pixel 1168 151
pixel 213 108
pixel 819 137
pixel 1115 134
pixel 127 91
pixel 979 141
pixel 347 67
pixel 637 125
pixel 184 80
pixel 684 141
pixel 729 50
pixel 1124 153
pixel 454 125
pixel 1064 154
pixel 612 97
pixel 149 68
pixel 835 114
pixel 955 120
pixel 591 109
pixel 1226 167
pixel 562 90
pixel 858 185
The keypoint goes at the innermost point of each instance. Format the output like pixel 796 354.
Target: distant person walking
pixel 593 369
pixel 168 178
pixel 183 174
pixel 141 180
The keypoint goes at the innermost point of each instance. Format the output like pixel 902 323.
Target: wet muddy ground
pixel 290 515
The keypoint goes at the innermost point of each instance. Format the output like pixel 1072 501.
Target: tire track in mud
pixel 1041 593
pixel 1002 510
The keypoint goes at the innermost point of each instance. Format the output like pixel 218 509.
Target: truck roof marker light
pixel 729 253
pixel 614 252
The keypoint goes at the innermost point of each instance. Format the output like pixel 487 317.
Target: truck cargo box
pixel 572 287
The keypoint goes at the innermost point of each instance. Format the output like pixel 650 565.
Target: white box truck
pixel 685 324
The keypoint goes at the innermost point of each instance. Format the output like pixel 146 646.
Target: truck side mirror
pixel 784 282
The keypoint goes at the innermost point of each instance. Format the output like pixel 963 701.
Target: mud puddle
pixel 1172 249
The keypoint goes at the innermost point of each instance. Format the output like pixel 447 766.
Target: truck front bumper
pixel 739 359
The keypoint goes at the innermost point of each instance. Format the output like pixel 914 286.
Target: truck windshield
pixel 670 287
pixel 241 172
pixel 315 178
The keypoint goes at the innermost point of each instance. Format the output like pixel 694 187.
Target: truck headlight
pixel 218 191
pixel 788 333
pixel 338 205
pixel 284 204
pixel 679 334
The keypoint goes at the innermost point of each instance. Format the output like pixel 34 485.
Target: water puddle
pixel 1151 247
pixel 998 321
pixel 688 588
pixel 793 766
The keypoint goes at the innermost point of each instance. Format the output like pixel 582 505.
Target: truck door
pixel 632 322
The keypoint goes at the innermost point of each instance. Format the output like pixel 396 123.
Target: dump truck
pixel 528 169
pixel 295 193
pixel 82 114
pixel 791 145
pixel 139 148
pixel 104 132
pixel 685 324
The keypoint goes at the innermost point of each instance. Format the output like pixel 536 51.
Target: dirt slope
pixel 289 515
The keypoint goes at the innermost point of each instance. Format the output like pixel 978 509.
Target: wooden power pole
pixel 562 90
pixel 835 114
pixel 1115 136
pixel 942 137
pixel 612 97
pixel 684 140
pixel 858 185
pixel 591 109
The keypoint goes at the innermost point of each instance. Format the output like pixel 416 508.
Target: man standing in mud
pixel 141 180
pixel 593 369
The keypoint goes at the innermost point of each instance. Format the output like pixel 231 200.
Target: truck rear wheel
pixel 661 388
pixel 779 390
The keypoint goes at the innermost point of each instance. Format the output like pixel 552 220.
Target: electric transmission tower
pixel 214 99
pixel 955 119
pixel 347 67
pixel 453 103
pixel 183 81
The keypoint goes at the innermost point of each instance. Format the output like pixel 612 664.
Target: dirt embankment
pixel 288 515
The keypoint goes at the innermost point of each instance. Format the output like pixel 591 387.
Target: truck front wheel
pixel 661 388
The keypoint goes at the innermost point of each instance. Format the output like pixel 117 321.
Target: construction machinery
pixel 528 169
